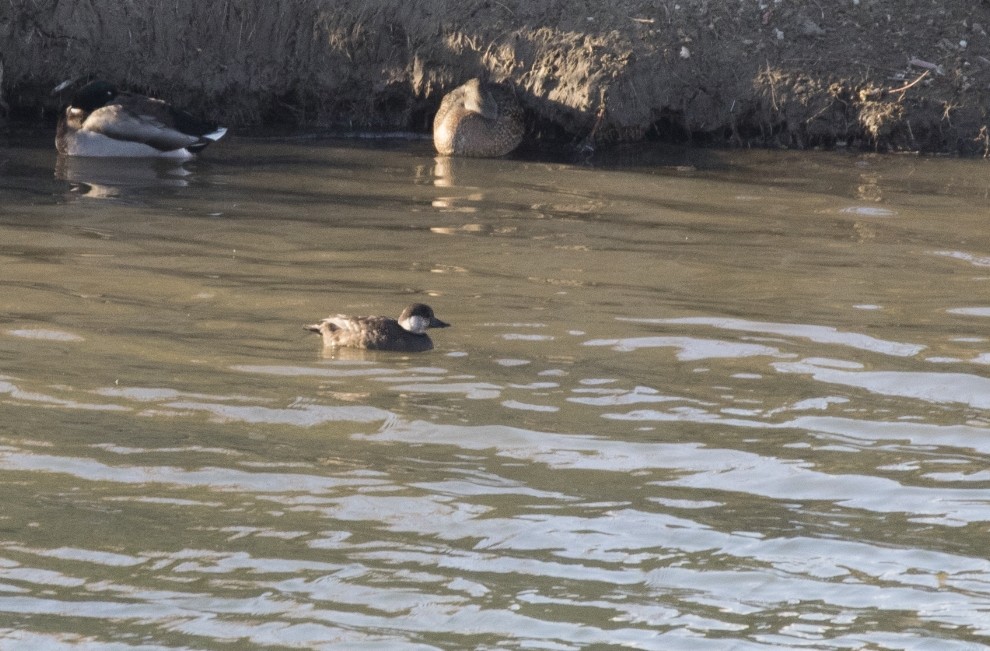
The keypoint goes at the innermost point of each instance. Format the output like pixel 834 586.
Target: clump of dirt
pixel 883 74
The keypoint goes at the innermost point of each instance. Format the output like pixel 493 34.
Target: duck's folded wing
pixel 152 128
pixel 346 323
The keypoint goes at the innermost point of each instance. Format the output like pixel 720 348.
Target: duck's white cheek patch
pixel 416 324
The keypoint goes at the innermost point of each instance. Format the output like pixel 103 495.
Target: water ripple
pixel 815 333
pixel 690 349
pixel 962 388
pixel 706 413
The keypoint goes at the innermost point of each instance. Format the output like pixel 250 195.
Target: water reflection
pixel 682 409
pixel 450 173
pixel 114 178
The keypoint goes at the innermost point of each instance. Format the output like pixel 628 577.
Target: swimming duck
pixel 478 119
pixel 407 334
pixel 103 121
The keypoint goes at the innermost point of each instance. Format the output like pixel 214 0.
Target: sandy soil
pixel 881 74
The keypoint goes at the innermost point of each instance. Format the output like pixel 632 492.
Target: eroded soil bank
pixel 884 74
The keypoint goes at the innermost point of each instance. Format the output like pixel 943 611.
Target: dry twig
pixel 903 89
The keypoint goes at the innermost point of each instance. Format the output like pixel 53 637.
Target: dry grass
pixel 694 66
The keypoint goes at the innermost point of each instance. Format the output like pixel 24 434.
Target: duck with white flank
pixel 407 334
pixel 103 121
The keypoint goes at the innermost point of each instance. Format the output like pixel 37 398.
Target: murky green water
pixel 706 400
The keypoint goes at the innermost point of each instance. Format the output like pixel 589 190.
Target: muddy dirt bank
pixel 884 74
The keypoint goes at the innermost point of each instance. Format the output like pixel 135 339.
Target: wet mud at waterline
pixel 875 74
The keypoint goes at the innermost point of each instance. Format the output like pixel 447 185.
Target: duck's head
pixel 477 100
pixel 94 95
pixel 417 318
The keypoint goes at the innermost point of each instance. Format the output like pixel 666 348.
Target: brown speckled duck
pixel 478 119
pixel 407 334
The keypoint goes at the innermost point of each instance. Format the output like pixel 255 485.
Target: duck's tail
pixel 206 139
pixel 216 135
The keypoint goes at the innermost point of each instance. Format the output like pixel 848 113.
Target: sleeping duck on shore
pixel 478 119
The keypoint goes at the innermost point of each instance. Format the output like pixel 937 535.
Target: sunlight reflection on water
pixel 681 406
